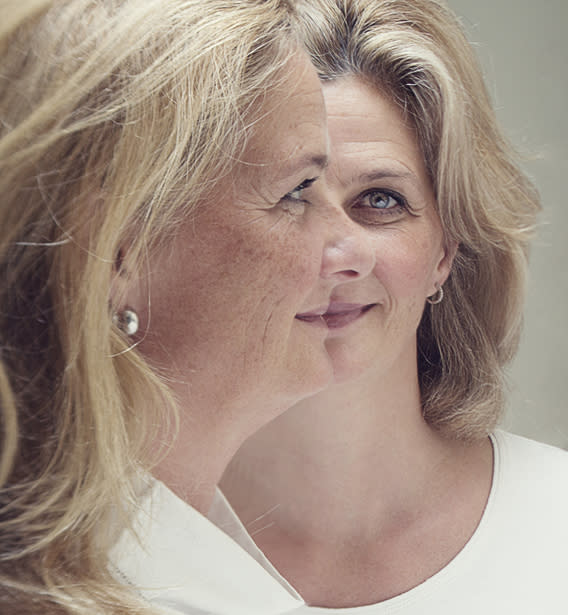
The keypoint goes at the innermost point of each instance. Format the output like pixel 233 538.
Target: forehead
pixel 289 120
pixel 363 120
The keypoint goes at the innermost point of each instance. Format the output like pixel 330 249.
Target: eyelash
pixel 305 184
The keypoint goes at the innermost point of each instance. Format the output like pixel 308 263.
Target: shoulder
pixel 531 475
pixel 532 456
pixel 520 547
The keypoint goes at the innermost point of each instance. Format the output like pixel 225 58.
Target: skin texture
pixel 217 306
pixel 224 294
pixel 350 493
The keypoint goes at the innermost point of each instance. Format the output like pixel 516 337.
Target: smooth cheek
pixel 407 267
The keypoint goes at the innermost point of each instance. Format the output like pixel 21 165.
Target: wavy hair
pixel 116 118
pixel 415 52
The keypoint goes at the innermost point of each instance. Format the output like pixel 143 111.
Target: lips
pixel 336 314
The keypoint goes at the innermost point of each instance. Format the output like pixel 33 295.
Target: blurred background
pixel 523 49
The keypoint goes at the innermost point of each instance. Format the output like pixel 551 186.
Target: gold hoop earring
pixel 436 297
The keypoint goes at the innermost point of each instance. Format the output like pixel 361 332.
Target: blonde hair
pixel 116 118
pixel 415 52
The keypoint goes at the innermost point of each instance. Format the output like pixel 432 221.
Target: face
pixel 224 294
pixel 391 252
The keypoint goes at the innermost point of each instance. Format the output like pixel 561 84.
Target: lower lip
pixel 336 321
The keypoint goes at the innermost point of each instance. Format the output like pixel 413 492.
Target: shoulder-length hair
pixel 415 52
pixel 116 118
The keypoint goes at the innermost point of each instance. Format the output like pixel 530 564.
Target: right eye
pixel 380 206
pixel 382 200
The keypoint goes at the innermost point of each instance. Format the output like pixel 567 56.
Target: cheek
pixel 283 259
pixel 253 271
pixel 406 266
pixel 227 298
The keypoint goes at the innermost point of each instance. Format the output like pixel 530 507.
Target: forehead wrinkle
pixel 348 173
pixel 384 150
pixel 285 162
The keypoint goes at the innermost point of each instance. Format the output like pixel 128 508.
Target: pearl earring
pixel 126 321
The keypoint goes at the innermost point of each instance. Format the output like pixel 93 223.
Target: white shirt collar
pixel 187 563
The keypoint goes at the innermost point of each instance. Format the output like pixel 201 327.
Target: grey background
pixel 523 49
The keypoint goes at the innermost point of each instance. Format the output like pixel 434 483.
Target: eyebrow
pixel 318 160
pixel 387 174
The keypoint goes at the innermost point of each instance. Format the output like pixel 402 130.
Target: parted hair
pixel 415 52
pixel 116 118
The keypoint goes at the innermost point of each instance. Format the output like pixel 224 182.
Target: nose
pixel 347 255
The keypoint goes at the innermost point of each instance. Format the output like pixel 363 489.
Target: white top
pixel 515 563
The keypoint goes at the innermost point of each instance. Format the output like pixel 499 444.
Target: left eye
pixel 296 194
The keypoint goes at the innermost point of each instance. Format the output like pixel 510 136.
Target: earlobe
pixel 442 271
pixel 118 281
pixel 447 260
pixel 123 291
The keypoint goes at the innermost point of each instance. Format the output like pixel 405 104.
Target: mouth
pixel 336 315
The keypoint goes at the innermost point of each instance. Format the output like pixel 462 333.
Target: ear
pixel 117 281
pixel 444 266
pixel 125 288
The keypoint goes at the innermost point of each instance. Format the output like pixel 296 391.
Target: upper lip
pixel 333 308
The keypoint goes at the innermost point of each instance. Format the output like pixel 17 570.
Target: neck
pixel 355 481
pixel 193 471
pixel 359 451
pixel 210 433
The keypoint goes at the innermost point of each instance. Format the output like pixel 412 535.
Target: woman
pixel 384 491
pixel 153 157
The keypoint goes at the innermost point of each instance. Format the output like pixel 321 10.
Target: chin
pixel 349 363
pixel 346 370
pixel 313 379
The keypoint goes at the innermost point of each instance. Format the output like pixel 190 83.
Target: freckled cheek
pixel 288 259
pixel 263 283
